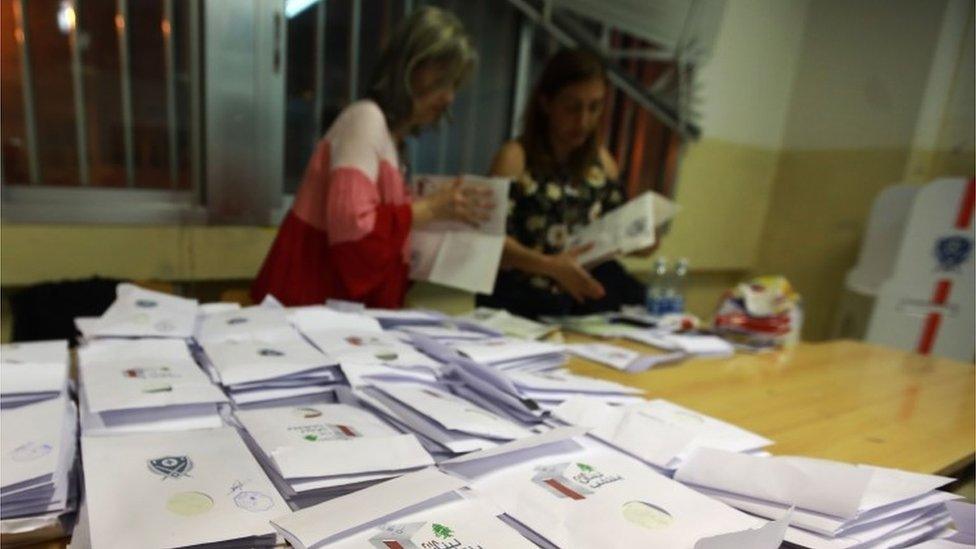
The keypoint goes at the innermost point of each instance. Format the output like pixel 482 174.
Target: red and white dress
pixel 346 235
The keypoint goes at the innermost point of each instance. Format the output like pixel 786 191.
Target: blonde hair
pixel 428 35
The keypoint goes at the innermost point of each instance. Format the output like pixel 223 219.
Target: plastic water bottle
pixel 676 289
pixel 655 301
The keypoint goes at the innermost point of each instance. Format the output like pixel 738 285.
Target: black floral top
pixel 544 209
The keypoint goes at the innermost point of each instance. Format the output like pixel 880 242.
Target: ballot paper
pixel 574 492
pixel 506 323
pixel 137 312
pixel 264 322
pixel 622 358
pixel 690 344
pixel 453 253
pixel 37 463
pixel 626 229
pixel 318 318
pixel 657 432
pixel 452 423
pixel 837 504
pixel 964 520
pixel 33 371
pixel 144 384
pixel 367 347
pixel 177 489
pixel 552 387
pixel 426 509
pixel 256 359
pixel 506 353
pixel 331 440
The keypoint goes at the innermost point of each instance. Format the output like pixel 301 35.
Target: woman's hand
pixel 565 269
pixel 472 204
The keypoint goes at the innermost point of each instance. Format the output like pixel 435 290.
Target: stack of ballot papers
pixel 199 488
pixel 426 509
pixel 657 432
pixel 962 533
pixel 837 505
pixel 230 323
pixel 561 489
pixel 628 228
pixel 137 312
pixel 269 367
pixel 32 372
pixel 505 323
pixel 510 354
pixel 455 254
pixel 622 358
pixel 688 343
pixel 319 451
pixel 144 385
pixel 39 457
pixel 446 424
pixel 551 388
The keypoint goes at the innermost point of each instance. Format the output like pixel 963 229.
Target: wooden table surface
pixel 841 400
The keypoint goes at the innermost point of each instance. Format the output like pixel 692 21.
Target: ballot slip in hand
pixel 453 253
pixel 190 488
pixel 627 228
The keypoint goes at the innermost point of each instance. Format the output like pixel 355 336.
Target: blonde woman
pixel 346 235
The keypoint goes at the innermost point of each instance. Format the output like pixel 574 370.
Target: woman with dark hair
pixel 346 234
pixel 564 180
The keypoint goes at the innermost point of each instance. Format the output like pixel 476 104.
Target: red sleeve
pixel 366 239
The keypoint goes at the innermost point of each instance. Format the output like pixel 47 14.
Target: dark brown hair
pixel 567 67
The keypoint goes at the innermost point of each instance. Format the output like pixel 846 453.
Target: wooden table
pixel 841 400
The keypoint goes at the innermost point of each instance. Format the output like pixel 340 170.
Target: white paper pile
pixel 317 452
pixel 270 366
pixel 505 323
pixel 550 388
pixel 961 535
pixel 425 509
pixel 263 321
pixel 692 344
pixel 197 488
pixel 375 348
pixel 656 432
pixel 33 371
pixel 622 358
pixel 137 312
pixel 144 385
pixel 837 505
pixel 445 423
pixel 570 491
pixel 510 354
pixel 38 460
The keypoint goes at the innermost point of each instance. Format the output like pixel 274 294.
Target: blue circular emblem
pixel 952 251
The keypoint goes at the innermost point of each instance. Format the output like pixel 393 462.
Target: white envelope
pixel 33 367
pixel 319 318
pixel 143 374
pixel 501 350
pixel 250 360
pixel 137 312
pixel 580 494
pixel 175 489
pixel 365 347
pixel 331 439
pixel 325 522
pixel 262 321
pixel 564 381
pixel 32 441
pixel 452 412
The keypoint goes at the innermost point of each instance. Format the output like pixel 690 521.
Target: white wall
pixel 748 81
